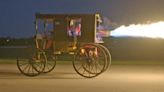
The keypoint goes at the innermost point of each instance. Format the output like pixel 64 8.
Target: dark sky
pixel 17 16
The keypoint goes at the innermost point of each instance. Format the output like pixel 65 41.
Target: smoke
pixel 108 24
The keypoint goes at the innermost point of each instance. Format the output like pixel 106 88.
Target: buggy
pixel 72 34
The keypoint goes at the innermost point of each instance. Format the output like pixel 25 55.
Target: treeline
pixel 123 48
pixel 7 41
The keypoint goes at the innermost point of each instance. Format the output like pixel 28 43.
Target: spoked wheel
pixel 89 60
pixel 108 63
pixel 32 66
pixel 39 61
pixel 51 62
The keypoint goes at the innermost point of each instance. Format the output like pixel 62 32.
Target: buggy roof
pixel 51 16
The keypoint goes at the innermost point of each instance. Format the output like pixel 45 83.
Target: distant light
pixel 7 40
pixel 153 30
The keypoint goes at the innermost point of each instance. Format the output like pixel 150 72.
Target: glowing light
pixel 153 30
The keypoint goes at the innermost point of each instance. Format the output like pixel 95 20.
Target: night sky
pixel 17 16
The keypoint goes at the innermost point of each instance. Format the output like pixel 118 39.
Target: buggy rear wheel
pixel 90 60
pixel 108 63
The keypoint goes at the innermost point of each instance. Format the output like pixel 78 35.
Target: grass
pixel 14 61
pixel 137 62
pixel 114 62
pixel 7 61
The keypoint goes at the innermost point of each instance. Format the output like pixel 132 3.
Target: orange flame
pixel 153 30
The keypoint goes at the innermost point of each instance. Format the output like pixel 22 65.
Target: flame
pixel 153 30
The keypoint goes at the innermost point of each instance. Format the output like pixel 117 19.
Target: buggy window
pixel 74 27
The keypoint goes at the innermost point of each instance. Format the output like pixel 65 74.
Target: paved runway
pixel 119 78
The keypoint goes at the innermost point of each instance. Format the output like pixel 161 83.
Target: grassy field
pixel 7 61
pixel 14 61
pixel 114 62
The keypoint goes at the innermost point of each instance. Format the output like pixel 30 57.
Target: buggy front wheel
pixel 25 66
pixel 50 64
pixel 31 66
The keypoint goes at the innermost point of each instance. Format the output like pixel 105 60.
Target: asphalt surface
pixel 119 78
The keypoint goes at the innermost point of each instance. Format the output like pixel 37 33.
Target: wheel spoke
pixel 26 67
